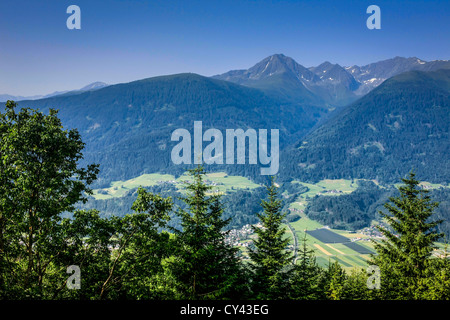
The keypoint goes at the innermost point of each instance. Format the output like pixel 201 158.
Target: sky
pixel 121 41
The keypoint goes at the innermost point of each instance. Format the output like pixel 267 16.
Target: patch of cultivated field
pixel 329 251
pixel 120 188
pixel 220 181
pixel 427 185
pixel 305 223
pixel 326 187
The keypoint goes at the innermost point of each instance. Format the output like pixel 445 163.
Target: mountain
pixel 401 125
pixel 327 84
pixel 279 76
pixel 336 85
pixel 92 86
pixel 127 127
pixel 372 75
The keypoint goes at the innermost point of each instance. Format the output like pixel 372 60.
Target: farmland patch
pixel 327 236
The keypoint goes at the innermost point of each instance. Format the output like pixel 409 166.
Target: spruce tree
pixel 205 266
pixel 305 281
pixel 270 257
pixel 335 281
pixel 404 255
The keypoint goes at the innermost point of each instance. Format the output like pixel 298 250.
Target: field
pixel 324 187
pixel 220 182
pixel 347 248
pixel 358 248
pixel 327 236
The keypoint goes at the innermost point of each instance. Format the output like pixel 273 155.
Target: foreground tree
pixel 119 257
pixel 307 275
pixel 270 258
pixel 204 264
pixel 404 256
pixel 39 179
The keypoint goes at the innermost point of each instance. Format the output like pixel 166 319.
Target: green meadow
pixel 220 181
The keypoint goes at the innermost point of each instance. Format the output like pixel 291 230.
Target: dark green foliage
pixel 335 281
pixel 307 276
pixel 349 211
pixel 39 179
pixel 404 257
pixel 127 127
pixel 292 217
pixel 442 212
pixel 270 256
pixel 120 257
pixel 341 285
pixel 401 125
pixel 204 265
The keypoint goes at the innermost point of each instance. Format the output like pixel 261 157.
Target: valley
pixel 345 140
pixel 351 248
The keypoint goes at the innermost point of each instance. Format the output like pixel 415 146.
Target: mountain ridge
pixel 92 86
pixel 401 125
pixel 326 83
pixel 127 127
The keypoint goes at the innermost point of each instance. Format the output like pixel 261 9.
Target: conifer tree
pixel 205 266
pixel 404 255
pixel 270 257
pixel 305 281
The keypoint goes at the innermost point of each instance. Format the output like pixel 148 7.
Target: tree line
pixel 140 256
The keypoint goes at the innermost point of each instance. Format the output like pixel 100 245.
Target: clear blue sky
pixel 121 41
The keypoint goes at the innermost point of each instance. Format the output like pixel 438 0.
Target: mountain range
pixel 399 125
pixel 127 127
pixel 376 122
pixel 327 83
pixel 89 87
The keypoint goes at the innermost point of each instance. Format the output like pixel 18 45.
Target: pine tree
pixel 205 266
pixel 336 279
pixel 404 255
pixel 436 284
pixel 270 257
pixel 306 278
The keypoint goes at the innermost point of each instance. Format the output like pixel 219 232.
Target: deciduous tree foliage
pixel 40 179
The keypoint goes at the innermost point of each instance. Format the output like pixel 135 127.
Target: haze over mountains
pixel 91 86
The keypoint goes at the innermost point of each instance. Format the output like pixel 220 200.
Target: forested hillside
pixel 127 127
pixel 400 126
pixel 140 256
